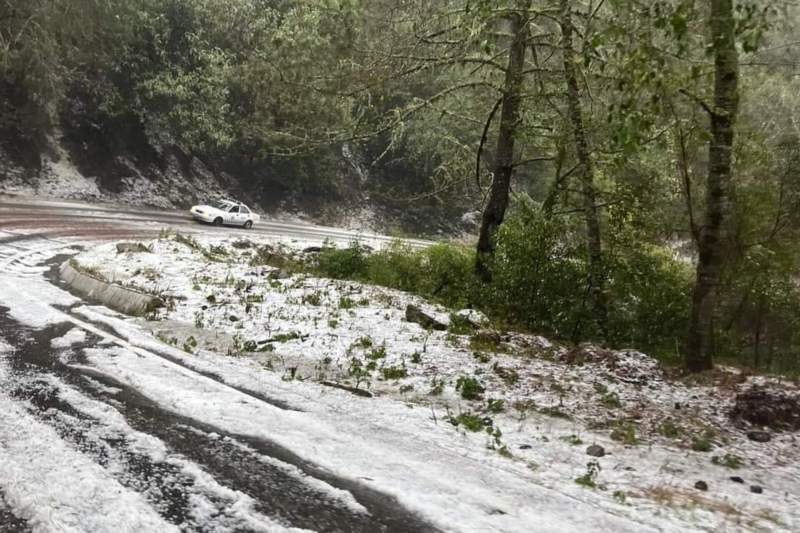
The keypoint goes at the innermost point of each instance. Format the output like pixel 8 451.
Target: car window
pixel 245 210
pixel 234 209
pixel 221 204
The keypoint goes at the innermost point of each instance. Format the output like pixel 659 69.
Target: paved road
pixel 64 218
pixel 53 387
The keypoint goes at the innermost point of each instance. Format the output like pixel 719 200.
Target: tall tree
pixel 495 210
pixel 723 114
pixel 585 171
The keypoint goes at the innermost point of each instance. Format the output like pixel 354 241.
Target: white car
pixel 225 212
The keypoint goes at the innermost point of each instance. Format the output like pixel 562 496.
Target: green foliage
pixel 470 387
pixel 343 263
pixel 611 400
pixel 394 372
pixel 469 421
pixel 728 460
pixel 572 439
pixel 460 325
pixel 589 479
pixel 703 442
pixel 625 433
pixel 495 405
pixel 669 429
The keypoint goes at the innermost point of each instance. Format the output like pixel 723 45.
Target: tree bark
pixel 495 210
pixel 699 352
pixel 586 174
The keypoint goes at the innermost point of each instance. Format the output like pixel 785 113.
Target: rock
pixel 525 446
pixel 595 450
pixel 488 337
pixel 473 317
pixel 278 274
pixel 701 485
pixel 132 247
pixel 767 408
pixel 737 479
pixel 759 436
pixel 312 250
pixel 233 318
pixel 756 489
pixel 416 315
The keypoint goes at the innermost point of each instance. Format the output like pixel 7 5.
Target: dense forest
pixel 635 163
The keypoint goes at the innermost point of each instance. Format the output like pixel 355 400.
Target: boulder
pixel 595 450
pixel 418 316
pixel 756 489
pixel 131 247
pixel 473 317
pixel 759 436
pixel 701 485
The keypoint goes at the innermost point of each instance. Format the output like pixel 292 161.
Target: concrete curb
pixel 114 296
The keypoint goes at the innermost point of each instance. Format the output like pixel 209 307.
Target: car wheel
pixel 217 221
pixel 248 224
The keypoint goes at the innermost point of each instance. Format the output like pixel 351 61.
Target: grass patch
pixel 626 434
pixel 469 421
pixel 572 439
pixel 589 479
pixel 669 429
pixel 728 460
pixel 394 372
pixel 470 388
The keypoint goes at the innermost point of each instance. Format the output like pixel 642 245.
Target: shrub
pixel 343 263
pixel 538 275
pixel 394 372
pixel 470 422
pixel 471 388
pixel 397 266
pixel 728 460
pixel 649 296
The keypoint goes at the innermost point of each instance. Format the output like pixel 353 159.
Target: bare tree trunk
pixel 699 353
pixel 495 210
pixel 586 174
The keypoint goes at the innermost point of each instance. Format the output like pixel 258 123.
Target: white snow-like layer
pixel 437 464
pixel 55 488
pixel 320 336
pixel 240 507
pixel 70 338
pixel 458 493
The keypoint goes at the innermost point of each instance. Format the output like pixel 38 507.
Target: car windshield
pixel 221 204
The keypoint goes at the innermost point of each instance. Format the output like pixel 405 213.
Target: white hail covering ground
pixel 399 441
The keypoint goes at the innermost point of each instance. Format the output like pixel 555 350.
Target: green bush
pixel 448 274
pixel 649 297
pixel 397 266
pixel 539 277
pixel 343 263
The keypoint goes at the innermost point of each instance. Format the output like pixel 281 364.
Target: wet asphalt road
pixel 241 463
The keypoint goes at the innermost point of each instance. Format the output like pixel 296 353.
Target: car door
pixel 244 215
pixel 232 216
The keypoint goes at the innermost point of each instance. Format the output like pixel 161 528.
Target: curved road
pixel 246 484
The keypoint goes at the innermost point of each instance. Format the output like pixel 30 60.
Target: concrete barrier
pixel 113 296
